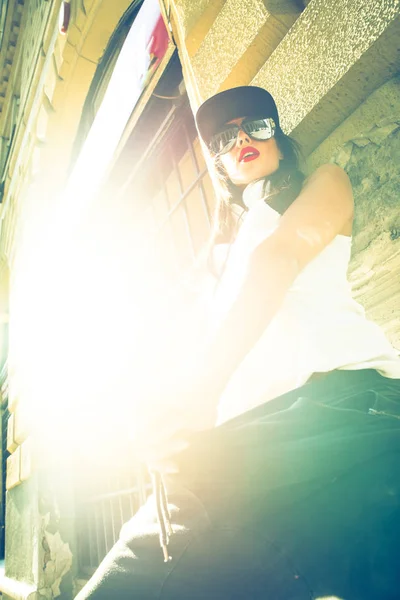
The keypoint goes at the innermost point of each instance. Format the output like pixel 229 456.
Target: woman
pixel 296 493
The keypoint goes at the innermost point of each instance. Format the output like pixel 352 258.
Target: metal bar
pixel 120 508
pixel 143 102
pixel 99 557
pixel 131 506
pixel 114 535
pixel 103 516
pixel 167 220
pixel 157 138
pixel 182 199
pixel 142 487
pixel 178 174
pixel 90 540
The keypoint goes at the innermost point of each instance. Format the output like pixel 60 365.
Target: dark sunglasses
pixel 257 129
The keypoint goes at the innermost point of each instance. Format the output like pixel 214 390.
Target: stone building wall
pixel 50 74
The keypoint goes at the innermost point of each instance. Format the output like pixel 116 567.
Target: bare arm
pixel 323 210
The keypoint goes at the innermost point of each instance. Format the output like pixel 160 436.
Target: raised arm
pixel 323 210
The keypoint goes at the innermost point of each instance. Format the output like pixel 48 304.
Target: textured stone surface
pixel 374 171
pixel 11 443
pixel 41 123
pixel 36 14
pixel 189 12
pixel 374 274
pixel 57 564
pixel 21 425
pixel 380 108
pixel 231 34
pixel 21 519
pixel 26 459
pixel 9 40
pixel 195 32
pixel 267 39
pixel 13 470
pixel 321 52
pixel 102 21
pixel 372 161
pixel 56 534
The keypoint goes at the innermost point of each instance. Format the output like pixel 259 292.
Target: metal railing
pixel 101 515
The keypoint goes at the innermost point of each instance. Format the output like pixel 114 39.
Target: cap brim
pixel 244 101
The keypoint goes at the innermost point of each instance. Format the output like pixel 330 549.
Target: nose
pixel 242 138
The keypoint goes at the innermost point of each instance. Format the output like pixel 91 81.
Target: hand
pixel 166 432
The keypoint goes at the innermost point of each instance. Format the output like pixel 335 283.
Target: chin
pixel 257 174
pixel 241 182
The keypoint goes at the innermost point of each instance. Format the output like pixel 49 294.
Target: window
pixel 179 200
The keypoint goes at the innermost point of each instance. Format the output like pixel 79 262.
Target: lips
pixel 248 153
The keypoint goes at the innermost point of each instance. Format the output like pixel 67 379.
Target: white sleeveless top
pixel 318 328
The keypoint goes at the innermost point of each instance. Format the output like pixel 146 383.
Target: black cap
pixel 244 101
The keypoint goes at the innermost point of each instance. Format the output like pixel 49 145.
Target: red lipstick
pixel 248 153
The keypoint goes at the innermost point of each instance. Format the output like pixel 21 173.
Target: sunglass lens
pixel 223 141
pixel 259 129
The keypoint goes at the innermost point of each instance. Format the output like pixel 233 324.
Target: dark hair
pixel 281 189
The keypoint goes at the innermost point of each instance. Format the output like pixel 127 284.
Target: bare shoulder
pixel 323 209
pixel 329 186
pixel 329 173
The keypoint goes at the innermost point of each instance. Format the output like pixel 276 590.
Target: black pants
pixel 296 499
